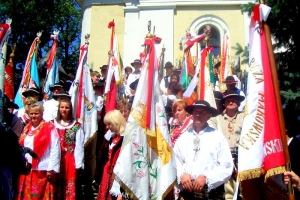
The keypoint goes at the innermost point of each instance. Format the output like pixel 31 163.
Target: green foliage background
pixel 31 16
pixel 284 21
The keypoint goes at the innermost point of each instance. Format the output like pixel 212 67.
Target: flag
pixel 188 70
pixel 4 32
pixel 30 75
pixel 205 84
pixel 9 77
pixel 260 146
pixel 224 68
pixel 34 75
pixel 145 164
pixel 115 70
pixel 52 74
pixel 83 98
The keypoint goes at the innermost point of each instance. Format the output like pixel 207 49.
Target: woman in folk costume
pixel 116 124
pixel 23 116
pixel 43 139
pixel 179 123
pixel 72 149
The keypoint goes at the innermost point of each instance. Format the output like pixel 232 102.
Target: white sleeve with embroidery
pixel 79 149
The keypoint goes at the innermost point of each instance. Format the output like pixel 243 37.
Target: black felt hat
pixel 62 94
pixel 9 104
pixel 168 64
pixel 31 90
pixel 232 93
pixel 136 61
pixel 202 104
pixel 60 84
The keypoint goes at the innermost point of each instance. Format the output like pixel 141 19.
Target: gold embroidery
pixel 160 146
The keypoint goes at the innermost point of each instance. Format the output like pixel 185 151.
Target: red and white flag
pixel 145 165
pixel 115 71
pixel 9 78
pixel 83 97
pixel 260 146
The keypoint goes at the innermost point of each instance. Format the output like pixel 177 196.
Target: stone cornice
pixel 134 5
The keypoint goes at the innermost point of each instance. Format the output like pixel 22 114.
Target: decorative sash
pixel 177 130
pixel 41 141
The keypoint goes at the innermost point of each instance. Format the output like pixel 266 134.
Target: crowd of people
pixel 52 141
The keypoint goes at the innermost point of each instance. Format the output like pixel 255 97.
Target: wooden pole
pixel 278 104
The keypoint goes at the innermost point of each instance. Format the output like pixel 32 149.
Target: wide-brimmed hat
pixel 9 104
pixel 232 93
pixel 31 90
pixel 62 94
pixel 168 64
pixel 136 61
pixel 56 85
pixel 230 80
pixel 218 95
pixel 202 104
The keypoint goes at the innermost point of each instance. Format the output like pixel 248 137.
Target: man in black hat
pixel 165 81
pixel 231 85
pixel 51 106
pixel 136 64
pixel 231 126
pixel 203 158
pixel 12 120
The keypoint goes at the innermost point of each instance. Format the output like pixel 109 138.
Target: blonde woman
pixel 23 112
pixel 43 139
pixel 116 123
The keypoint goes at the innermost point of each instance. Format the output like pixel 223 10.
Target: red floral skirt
pixel 35 186
pixel 67 178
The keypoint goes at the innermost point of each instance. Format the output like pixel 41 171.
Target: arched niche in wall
pixel 218 29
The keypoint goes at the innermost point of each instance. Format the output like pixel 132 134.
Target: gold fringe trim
pixel 132 195
pixel 250 174
pixel 169 189
pixel 275 171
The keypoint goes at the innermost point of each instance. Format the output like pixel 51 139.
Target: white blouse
pixel 79 144
pixel 51 158
pixel 206 153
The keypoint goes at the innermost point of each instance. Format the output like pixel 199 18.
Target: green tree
pixel 31 16
pixel 283 22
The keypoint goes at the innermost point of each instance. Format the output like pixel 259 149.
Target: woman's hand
pixel 50 176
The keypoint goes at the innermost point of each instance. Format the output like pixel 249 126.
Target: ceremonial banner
pixel 260 146
pixel 9 76
pixel 83 98
pixel 224 69
pixel 145 167
pixel 52 75
pixel 115 71
pixel 30 75
pixel 4 32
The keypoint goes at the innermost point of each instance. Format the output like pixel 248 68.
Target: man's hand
pixel 186 182
pixel 199 183
pixel 119 197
